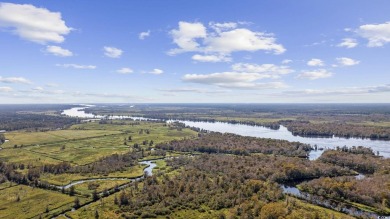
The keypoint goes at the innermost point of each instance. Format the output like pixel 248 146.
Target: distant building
pixel 2 131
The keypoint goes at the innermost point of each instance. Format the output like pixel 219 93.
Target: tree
pixel 76 203
pixel 95 195
pixel 96 214
pixel 273 210
pixel 123 198
pixel 116 200
pixel 71 191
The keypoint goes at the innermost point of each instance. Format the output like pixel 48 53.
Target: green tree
pixel 71 191
pixel 95 195
pixel 76 203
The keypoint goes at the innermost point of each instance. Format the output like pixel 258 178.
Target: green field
pixel 79 145
pixel 31 202
pixel 66 178
pixel 36 138
pixel 84 143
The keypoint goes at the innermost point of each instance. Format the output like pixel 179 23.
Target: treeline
pixel 306 128
pixel 105 165
pixel 373 191
pixel 112 163
pixel 197 118
pixel 11 121
pixel 363 162
pixel 248 184
pixel 279 169
pixel 234 144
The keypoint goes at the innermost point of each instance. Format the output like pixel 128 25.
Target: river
pixel 262 132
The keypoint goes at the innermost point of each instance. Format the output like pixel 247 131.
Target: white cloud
pixel 222 39
pixel 347 61
pixel 76 66
pixel 15 80
pixel 34 24
pixel 112 52
pixel 125 71
pixel 156 71
pixel 315 62
pixel 185 37
pixel 348 43
pixel 219 27
pixel 143 35
pixel 242 40
pixel 256 86
pixel 233 80
pixel 223 78
pixel 286 61
pixel 376 34
pixel 211 58
pixel 242 76
pixel 58 51
pixel 316 74
pixel 272 70
pixel 5 89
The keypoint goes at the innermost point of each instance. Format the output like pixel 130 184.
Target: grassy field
pixel 81 144
pixel 6 184
pixel 33 138
pixel 84 143
pixel 32 201
pixel 88 187
pixel 66 178
pixel 21 155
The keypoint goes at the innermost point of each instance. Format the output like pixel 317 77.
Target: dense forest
pixel 105 165
pixel 362 161
pixel 216 181
pixel 235 144
pixel 306 128
pixel 372 189
pixel 34 117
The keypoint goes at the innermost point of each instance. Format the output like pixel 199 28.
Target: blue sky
pixel 194 51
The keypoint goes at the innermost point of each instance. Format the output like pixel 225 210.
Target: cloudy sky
pixel 173 51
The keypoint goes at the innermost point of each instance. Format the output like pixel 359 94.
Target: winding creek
pixel 147 171
pixel 262 132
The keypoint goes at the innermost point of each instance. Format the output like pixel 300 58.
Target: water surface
pixel 262 132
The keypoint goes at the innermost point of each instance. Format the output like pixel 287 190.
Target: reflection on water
pixel 328 203
pixel 282 133
pixel 262 132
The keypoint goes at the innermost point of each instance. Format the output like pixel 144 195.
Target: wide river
pixel 258 131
